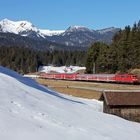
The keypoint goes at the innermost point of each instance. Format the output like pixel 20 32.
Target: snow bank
pixel 62 69
pixel 32 112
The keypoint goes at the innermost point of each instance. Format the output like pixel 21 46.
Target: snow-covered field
pixel 29 111
pixel 62 69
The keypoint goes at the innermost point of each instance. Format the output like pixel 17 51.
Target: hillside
pixel 31 111
pixel 11 39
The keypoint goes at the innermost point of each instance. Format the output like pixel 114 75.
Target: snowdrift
pixel 29 111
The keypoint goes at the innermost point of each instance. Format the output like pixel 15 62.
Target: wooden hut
pixel 122 104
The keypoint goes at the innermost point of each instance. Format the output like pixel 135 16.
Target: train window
pixel 134 76
pixel 124 76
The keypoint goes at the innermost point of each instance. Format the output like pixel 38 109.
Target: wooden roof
pixel 121 98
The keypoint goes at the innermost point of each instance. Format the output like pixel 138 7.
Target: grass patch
pixel 56 83
pixel 79 93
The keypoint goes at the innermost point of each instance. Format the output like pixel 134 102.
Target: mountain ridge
pixel 76 36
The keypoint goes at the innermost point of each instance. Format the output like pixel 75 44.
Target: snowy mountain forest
pixel 122 55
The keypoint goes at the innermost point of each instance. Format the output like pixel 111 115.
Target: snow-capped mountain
pixel 25 28
pixel 82 36
pixel 16 27
pixel 78 28
pixel 76 36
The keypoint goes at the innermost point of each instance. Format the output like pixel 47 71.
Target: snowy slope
pixel 29 111
pixel 103 31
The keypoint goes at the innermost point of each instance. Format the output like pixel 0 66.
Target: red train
pixel 117 78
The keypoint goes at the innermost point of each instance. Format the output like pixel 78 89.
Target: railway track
pixel 95 89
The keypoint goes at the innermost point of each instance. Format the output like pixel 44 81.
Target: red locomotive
pixel 118 78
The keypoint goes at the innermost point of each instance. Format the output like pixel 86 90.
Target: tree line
pixel 119 57
pixel 25 60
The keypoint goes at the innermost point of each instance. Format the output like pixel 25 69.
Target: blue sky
pixel 60 14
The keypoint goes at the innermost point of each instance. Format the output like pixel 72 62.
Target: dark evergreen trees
pixel 123 54
pixel 97 58
pixel 25 60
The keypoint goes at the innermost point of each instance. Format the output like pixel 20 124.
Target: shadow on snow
pixel 32 83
